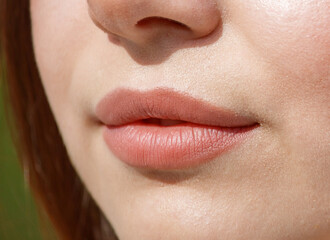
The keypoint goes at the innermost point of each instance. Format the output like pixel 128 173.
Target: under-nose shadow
pixel 162 48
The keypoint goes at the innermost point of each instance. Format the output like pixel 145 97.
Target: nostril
pixel 147 25
pixel 146 22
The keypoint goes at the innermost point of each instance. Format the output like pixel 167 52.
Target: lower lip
pixel 171 147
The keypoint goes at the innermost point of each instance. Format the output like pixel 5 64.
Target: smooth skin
pixel 264 59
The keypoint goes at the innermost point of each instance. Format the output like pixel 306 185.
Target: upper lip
pixel 123 106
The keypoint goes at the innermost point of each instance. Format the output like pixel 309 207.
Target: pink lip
pixel 201 133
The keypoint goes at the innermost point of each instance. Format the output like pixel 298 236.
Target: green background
pixel 18 216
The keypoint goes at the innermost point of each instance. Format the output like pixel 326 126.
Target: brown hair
pixel 41 151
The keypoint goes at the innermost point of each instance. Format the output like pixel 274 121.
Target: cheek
pixel 293 38
pixel 293 35
pixel 59 34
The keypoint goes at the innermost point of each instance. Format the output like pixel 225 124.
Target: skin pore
pixel 267 60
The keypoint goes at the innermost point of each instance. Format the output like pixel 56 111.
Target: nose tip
pixel 145 21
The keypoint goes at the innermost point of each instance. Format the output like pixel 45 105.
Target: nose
pixel 146 21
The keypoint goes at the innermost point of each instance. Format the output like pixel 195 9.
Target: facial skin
pixel 264 59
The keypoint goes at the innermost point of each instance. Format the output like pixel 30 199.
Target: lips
pixel 165 129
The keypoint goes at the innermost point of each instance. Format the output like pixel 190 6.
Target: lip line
pixel 124 106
